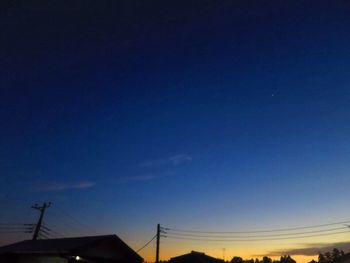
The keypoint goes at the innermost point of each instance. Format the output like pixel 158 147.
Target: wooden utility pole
pixel 42 212
pixel 158 238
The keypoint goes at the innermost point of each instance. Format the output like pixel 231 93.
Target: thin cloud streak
pixel 147 176
pixel 144 177
pixel 56 187
pixel 180 158
pixel 172 160
pixel 310 249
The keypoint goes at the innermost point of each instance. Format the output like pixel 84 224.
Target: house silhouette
pixel 195 257
pixel 106 249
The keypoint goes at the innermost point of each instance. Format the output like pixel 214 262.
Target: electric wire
pixel 52 232
pixel 146 244
pixel 44 236
pixel 76 221
pixel 253 231
pixel 15 228
pixel 42 230
pixel 256 239
pixel 13 231
pixel 13 224
pixel 256 236
pixel 11 228
pixel 67 223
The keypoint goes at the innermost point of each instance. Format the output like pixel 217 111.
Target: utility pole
pixel 42 212
pixel 158 238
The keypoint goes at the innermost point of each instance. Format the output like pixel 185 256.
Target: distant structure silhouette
pixel 93 249
pixel 195 257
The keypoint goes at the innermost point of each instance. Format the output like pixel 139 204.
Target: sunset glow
pixel 226 122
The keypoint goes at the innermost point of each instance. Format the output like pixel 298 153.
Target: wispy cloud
pixel 59 186
pixel 148 176
pixel 153 163
pixel 310 249
pixel 158 168
pixel 180 158
pixel 142 177
pixel 172 160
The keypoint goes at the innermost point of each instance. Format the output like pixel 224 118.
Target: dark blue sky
pixel 186 112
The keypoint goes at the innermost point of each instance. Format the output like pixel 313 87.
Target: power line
pixel 44 231
pixel 249 240
pixel 19 227
pixel 67 223
pixel 14 232
pixel 76 221
pixel 16 227
pixel 250 236
pixel 9 228
pixel 44 236
pixel 254 231
pixel 52 231
pixel 146 244
pixel 13 224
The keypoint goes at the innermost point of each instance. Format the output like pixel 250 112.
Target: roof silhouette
pixel 74 246
pixel 195 257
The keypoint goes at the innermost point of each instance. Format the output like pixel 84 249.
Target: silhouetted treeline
pixel 336 256
pixel 283 259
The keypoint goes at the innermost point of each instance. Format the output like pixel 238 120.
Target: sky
pixel 201 115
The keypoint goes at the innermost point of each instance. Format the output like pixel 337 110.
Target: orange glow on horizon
pixel 247 250
pixel 298 258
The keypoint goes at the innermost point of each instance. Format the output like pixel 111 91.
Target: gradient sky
pixel 212 115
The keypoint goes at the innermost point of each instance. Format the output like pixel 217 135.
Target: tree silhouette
pixel 287 259
pixel 237 260
pixel 321 258
pixel 266 260
pixel 328 257
pixel 336 256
